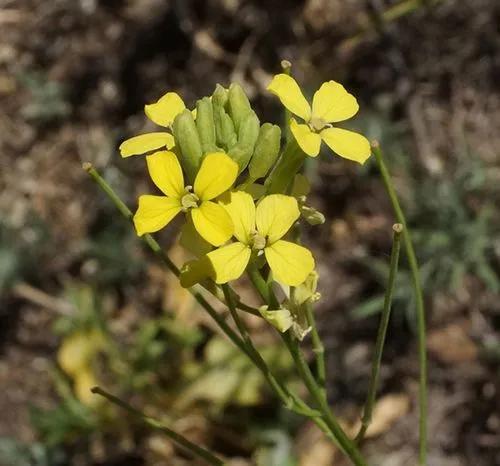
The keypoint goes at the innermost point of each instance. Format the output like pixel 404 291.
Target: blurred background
pixel 81 303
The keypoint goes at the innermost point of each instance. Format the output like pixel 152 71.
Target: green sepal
pixel 267 149
pixel 186 136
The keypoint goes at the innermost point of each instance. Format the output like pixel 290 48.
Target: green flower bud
pixel 247 137
pixel 267 149
pixel 312 216
pixel 188 141
pixel 239 105
pixel 281 319
pixel 205 125
pixel 224 126
pixel 220 96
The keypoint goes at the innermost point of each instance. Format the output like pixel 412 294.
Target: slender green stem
pixel 290 400
pixel 345 443
pixel 152 243
pixel 382 331
pixel 287 115
pixel 182 441
pixel 419 298
pixel 317 347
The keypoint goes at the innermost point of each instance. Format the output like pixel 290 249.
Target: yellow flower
pixel 331 104
pixel 216 175
pixel 260 230
pixel 163 113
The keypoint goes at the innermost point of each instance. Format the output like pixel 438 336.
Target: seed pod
pixel 267 149
pixel 238 104
pixel 186 135
pixel 247 137
pixel 205 125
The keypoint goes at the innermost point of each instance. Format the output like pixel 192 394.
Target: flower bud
pixel 224 127
pixel 205 125
pixel 188 142
pixel 220 96
pixel 247 137
pixel 281 319
pixel 267 149
pixel 239 105
pixel 311 215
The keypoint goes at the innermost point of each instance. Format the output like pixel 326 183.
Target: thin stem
pixel 191 447
pixel 417 288
pixel 345 443
pixel 287 115
pixel 382 331
pixel 318 348
pixel 290 400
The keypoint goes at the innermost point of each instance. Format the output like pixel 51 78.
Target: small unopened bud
pixel 281 319
pixel 188 142
pixel 205 125
pixel 239 104
pixel 312 216
pixel 267 149
pixel 247 137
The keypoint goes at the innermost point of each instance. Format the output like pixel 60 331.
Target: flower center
pixel 317 124
pixel 189 200
pixel 258 242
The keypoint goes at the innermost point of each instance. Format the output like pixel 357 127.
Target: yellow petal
pixel 333 103
pixel 195 271
pixel 347 144
pixel 154 213
pixel 83 383
pixel 192 241
pixel 229 262
pixel 212 222
pixel 275 215
pixel 288 91
pixel 217 174
pixel 75 352
pixel 166 172
pixel 146 142
pixel 164 111
pixel 308 140
pixel 289 262
pixel 241 208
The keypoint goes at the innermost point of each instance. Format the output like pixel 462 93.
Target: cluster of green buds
pixel 238 184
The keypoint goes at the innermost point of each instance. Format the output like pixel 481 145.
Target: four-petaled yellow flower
pixel 260 230
pixel 331 104
pixel 216 175
pixel 163 113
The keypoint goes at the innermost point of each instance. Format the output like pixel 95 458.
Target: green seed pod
pixel 205 125
pixel 186 136
pixel 247 137
pixel 238 104
pixel 266 151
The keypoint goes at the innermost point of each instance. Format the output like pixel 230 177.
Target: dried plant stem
pixel 382 331
pixel 344 442
pixel 182 441
pixel 417 287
